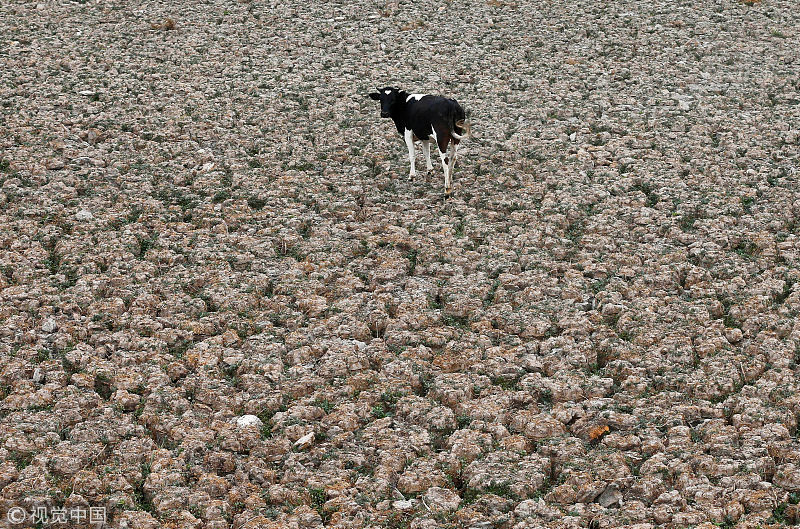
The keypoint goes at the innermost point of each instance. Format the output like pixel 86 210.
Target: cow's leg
pixel 426 149
pixel 453 151
pixel 442 138
pixel 409 136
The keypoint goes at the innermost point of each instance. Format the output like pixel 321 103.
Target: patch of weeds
pixel 786 292
pixel 435 303
pixel 363 249
pixel 505 383
pixel 255 203
pixel 145 243
pixel 574 231
pixel 728 320
pixel 318 499
pixel 546 397
pixel 53 261
pixel 695 436
pixel 398 520
pixel 102 385
pixel 747 204
pixel 501 489
pixel 221 196
pixel 379 411
pixel 489 299
pixel 387 404
pixel 42 355
pixel 211 306
pixel 459 229
pixel 178 348
pixel 460 322
pixel 141 501
pixel 231 374
pixel 746 249
pixel 600 284
pixel 325 404
pixel 70 278
pixel 687 221
pixel 20 460
pixel 412 261
pixel 425 384
pixel 305 230
pixel 463 421
pixel 8 272
pixel 651 196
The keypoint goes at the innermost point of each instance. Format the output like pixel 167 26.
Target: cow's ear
pixel 374 95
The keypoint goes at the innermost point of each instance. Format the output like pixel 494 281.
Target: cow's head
pixel 388 97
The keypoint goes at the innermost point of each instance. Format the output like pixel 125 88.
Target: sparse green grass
pixel 412 261
pixel 20 460
pixel 746 249
pixel 256 203
pixel 455 321
pixel 387 404
pixel 325 404
pixel 651 197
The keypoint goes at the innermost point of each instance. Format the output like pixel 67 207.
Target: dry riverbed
pixel 223 304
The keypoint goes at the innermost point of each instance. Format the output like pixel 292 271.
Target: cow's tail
pixel 460 127
pixel 465 128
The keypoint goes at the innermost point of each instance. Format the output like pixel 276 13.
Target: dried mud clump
pixel 223 304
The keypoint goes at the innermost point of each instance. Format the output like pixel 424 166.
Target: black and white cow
pixel 422 117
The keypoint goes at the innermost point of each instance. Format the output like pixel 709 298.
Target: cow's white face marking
pixel 387 92
pixel 415 96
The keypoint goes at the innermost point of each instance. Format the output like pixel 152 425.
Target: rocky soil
pixel 223 304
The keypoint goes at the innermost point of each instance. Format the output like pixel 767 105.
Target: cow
pixel 422 117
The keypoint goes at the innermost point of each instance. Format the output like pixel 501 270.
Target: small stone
pixel 125 400
pixel 38 375
pixel 84 215
pixel 733 335
pixel 403 505
pixel 305 441
pixel 610 496
pixel 49 325
pixel 441 499
pixel 246 421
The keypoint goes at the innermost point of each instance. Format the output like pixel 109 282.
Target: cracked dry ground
pixel 202 218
